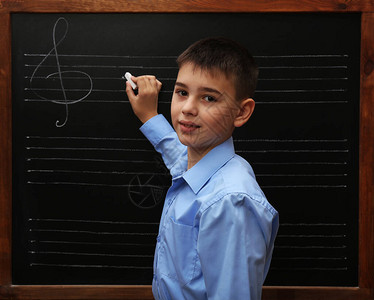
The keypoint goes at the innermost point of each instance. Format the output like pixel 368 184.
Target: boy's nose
pixel 190 106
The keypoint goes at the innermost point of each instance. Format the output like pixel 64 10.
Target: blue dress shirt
pixel 217 229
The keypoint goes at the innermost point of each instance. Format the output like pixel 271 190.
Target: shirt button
pixel 158 238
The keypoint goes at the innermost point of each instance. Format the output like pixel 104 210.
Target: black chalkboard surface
pixel 88 188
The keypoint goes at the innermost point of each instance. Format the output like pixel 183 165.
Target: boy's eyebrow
pixel 208 89
pixel 181 84
pixel 204 89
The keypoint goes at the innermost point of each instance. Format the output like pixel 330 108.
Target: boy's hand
pixel 144 104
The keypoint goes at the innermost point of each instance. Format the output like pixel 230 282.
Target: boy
pixel 217 229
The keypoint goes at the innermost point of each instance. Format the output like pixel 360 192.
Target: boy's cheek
pixel 174 112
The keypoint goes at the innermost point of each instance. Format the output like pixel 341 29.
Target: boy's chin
pixel 185 139
pixel 198 146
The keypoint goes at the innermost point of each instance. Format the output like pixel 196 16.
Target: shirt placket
pixel 169 199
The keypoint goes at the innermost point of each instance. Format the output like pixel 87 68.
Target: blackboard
pixel 87 186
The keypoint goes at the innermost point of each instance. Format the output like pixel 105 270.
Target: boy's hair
pixel 229 57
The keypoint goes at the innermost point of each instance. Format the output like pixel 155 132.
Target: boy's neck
pixel 194 155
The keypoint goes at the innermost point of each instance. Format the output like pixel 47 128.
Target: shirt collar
pixel 200 173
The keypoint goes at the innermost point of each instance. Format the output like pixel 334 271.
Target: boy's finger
pixel 147 82
pixel 130 92
pixel 159 84
pixel 142 82
pixel 155 83
pixel 150 80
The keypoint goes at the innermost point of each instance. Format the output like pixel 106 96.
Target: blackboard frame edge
pixel 59 292
pixel 175 6
pixel 5 152
pixel 364 291
pixel 366 155
pixel 130 292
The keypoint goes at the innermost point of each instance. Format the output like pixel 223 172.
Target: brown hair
pixel 227 56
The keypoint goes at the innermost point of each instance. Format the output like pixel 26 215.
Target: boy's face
pixel 203 108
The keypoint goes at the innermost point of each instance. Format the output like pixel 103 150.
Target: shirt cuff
pixel 156 128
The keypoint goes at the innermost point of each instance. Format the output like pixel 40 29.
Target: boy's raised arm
pixel 144 104
pixel 159 132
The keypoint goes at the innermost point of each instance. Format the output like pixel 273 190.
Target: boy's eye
pixel 209 98
pixel 182 93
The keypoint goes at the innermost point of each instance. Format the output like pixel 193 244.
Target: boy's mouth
pixel 187 126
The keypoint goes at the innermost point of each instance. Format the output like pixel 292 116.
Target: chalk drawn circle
pixel 146 192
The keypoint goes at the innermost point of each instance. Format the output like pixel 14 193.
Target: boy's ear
pixel 246 109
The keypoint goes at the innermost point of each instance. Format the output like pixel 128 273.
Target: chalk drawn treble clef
pixel 66 101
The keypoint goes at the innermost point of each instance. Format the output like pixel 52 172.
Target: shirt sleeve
pixel 165 141
pixel 235 245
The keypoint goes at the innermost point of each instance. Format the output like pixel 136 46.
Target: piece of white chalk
pixel 128 78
